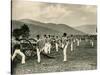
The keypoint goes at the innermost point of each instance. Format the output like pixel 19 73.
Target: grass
pixel 83 57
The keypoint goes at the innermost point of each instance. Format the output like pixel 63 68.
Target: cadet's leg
pixel 38 56
pixel 92 43
pixel 71 46
pixel 14 55
pixel 56 47
pixel 77 42
pixel 62 45
pixel 23 56
pixel 74 40
pixel 46 48
pixel 65 52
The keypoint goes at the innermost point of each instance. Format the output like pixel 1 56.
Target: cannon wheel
pixel 28 52
pixel 42 53
pixel 32 51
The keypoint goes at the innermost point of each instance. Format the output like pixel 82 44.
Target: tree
pixel 25 31
pixel 16 33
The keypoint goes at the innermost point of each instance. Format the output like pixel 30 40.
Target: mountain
pixel 44 28
pixel 58 27
pixel 88 29
pixel 34 29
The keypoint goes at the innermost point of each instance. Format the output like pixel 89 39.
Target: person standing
pixel 65 44
pixel 17 50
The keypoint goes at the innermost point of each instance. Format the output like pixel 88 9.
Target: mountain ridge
pixel 62 27
pixel 45 28
pixel 88 29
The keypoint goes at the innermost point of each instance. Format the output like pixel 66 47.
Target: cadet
pixel 18 50
pixel 65 44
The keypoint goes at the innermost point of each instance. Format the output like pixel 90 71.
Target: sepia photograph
pixel 52 37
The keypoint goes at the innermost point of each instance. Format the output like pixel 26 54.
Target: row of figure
pixel 46 42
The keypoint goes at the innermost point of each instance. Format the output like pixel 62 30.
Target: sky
pixel 59 13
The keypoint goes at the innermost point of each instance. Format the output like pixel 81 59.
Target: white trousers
pixel 65 51
pixel 62 45
pixel 92 43
pixel 38 55
pixel 47 48
pixel 74 40
pixel 71 46
pixel 57 47
pixel 17 51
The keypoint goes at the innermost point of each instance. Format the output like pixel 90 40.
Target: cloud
pixel 71 14
pixel 54 12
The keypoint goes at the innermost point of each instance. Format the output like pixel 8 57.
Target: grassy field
pixel 83 57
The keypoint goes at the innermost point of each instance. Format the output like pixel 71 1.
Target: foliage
pixel 23 31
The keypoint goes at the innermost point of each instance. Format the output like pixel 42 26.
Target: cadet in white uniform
pixel 42 45
pixel 65 44
pixel 91 41
pixel 38 47
pixel 18 51
pixel 49 43
pixel 47 46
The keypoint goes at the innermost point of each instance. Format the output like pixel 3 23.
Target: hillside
pixel 89 29
pixel 58 27
pixel 34 29
pixel 44 28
